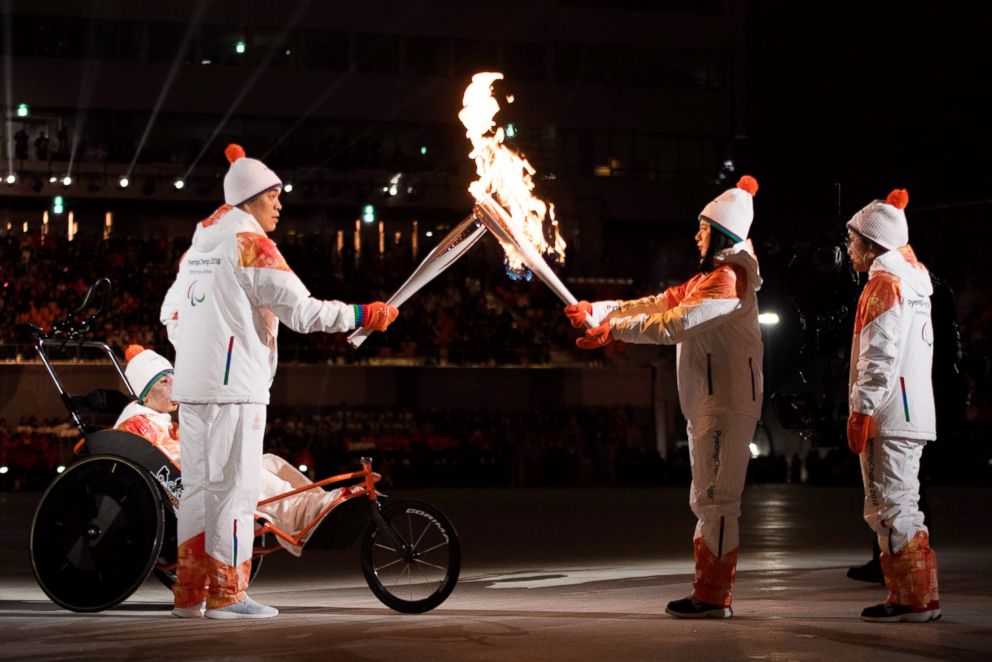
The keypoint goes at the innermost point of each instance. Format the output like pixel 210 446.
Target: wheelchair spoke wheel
pixel 419 575
pixel 97 533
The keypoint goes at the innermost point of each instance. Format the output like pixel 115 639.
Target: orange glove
pixel 577 312
pixel 376 316
pixel 596 337
pixel 858 427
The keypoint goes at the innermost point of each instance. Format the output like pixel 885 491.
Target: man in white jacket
pixel 891 404
pixel 222 315
pixel 713 320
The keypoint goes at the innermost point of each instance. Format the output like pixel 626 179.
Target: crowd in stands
pixel 604 446
pixel 472 314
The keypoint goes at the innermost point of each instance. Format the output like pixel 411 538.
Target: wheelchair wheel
pixel 423 576
pixel 96 533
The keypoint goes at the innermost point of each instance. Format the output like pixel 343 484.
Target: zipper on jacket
pixel 719 548
pixel 905 400
pixel 709 373
pixel 227 368
pixel 750 365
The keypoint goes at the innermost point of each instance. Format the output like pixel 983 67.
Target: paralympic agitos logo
pixel 194 295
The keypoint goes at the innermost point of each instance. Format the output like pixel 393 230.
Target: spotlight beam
pixel 170 78
pixel 250 83
pixel 8 83
pixel 86 85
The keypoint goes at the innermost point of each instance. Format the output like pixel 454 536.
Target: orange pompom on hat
pixel 246 177
pixel 884 221
pixel 732 212
pixel 144 368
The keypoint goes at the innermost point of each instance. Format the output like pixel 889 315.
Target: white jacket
pixel 223 311
pixel 713 320
pixel 892 349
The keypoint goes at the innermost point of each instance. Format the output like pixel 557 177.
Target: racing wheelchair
pixel 109 520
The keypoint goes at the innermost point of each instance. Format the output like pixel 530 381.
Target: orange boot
pixel 911 577
pixel 712 586
pixel 190 589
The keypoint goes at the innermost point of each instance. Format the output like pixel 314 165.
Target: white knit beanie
pixel 246 177
pixel 144 367
pixel 884 221
pixel 733 210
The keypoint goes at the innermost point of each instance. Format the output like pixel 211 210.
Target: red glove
pixel 376 316
pixel 596 337
pixel 577 312
pixel 858 426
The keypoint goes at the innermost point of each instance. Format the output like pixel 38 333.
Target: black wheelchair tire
pixel 96 533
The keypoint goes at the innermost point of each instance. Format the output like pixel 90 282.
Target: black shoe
pixel 870 572
pixel 887 612
pixel 693 608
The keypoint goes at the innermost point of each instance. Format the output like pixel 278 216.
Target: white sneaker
pixel 190 612
pixel 246 608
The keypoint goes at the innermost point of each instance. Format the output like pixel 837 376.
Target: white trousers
pixel 719 452
pixel 890 469
pixel 222 469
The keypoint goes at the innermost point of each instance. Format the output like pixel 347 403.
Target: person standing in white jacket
pixel 891 404
pixel 713 320
pixel 222 315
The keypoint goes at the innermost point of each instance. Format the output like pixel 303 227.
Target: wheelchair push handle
pixel 102 286
pixel 72 329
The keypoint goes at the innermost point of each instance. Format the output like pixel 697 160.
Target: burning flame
pixel 503 174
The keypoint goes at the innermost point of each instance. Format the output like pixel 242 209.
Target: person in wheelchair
pixel 150 417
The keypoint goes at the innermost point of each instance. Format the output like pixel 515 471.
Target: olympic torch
pixel 446 253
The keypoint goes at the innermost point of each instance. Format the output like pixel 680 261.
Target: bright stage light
pixel 22 110
pixel 239 47
pixel 288 188
pixel 11 179
pixel 368 214
pixel 179 184
pixel 123 182
pixel 768 319
pixel 303 468
pixel 753 447
pixel 429 234
pixel 53 179
pixel 4 470
pixel 67 181
pixel 59 469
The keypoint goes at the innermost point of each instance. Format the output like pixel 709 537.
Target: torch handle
pixel 447 252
